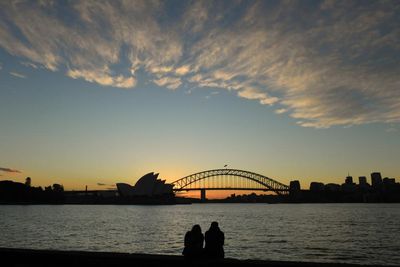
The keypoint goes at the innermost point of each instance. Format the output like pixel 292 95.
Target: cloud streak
pixel 323 63
pixel 103 77
pixel 9 170
pixel 18 75
pixel 29 64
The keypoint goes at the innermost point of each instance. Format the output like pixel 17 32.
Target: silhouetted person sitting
pixel 214 242
pixel 194 240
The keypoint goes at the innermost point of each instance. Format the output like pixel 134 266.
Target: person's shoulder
pixel 200 235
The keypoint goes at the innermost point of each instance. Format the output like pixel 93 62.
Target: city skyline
pixel 223 184
pixel 98 93
pixel 375 179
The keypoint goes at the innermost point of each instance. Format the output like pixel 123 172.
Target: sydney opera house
pixel 149 185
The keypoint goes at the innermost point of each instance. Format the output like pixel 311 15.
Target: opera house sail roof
pixel 147 185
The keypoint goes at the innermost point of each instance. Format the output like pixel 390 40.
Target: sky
pixel 99 92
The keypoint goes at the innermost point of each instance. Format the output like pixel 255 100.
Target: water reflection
pixel 351 233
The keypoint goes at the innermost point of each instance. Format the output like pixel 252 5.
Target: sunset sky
pixel 106 91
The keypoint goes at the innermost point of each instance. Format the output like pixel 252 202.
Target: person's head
pixel 214 225
pixel 196 228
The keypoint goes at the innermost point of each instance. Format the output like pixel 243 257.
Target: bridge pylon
pixel 203 195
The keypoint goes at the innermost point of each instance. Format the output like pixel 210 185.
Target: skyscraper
pixel 294 185
pixel 376 179
pixel 362 180
pixel 349 180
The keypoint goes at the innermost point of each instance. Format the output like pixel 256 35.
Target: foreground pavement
pixel 29 257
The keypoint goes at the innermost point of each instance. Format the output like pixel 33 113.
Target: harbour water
pixel 347 233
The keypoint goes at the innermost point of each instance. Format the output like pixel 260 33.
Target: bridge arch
pixel 265 183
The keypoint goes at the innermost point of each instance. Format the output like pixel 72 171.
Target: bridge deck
pixel 230 188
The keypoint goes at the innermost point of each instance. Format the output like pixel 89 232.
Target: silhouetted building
pixel 316 187
pixel 58 188
pixel 389 181
pixel 376 179
pixel 362 180
pixel 148 185
pixel 28 181
pixel 348 188
pixel 363 185
pixel 332 187
pixel 294 186
pixel 349 180
pixel 14 192
pixel 348 185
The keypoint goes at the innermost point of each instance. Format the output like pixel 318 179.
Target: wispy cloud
pixel 323 63
pixel 214 93
pixel 252 93
pixel 29 64
pixel 183 70
pixel 102 77
pixel 281 111
pixel 18 75
pixel 9 170
pixel 109 186
pixel 169 82
pixel 103 184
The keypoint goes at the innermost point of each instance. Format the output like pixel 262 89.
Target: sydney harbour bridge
pixel 228 179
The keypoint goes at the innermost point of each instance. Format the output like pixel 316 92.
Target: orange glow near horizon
pixel 216 194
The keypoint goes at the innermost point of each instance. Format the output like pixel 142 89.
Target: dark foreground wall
pixel 27 257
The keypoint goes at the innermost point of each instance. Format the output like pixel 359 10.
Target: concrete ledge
pixel 29 257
